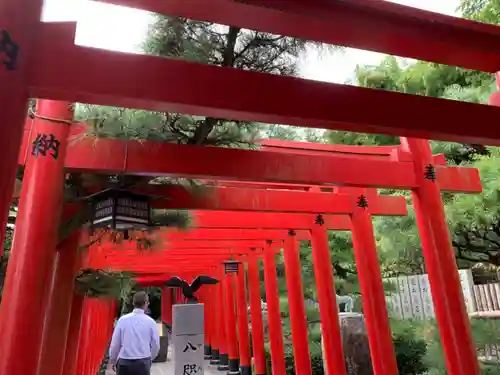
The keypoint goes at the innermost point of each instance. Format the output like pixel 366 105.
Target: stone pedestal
pixel 163 353
pixel 355 344
pixel 188 338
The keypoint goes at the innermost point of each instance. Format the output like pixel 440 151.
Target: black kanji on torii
pixel 44 143
pixel 362 201
pixel 430 172
pixel 319 220
pixel 9 51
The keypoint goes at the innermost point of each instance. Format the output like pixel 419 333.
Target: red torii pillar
pixel 85 340
pixel 19 22
pixel 166 305
pixel 243 334
pixel 203 297
pixel 327 298
pixel 372 288
pixel 75 332
pixel 96 332
pixel 58 312
pixel 453 322
pixel 273 312
pixel 35 238
pixel 73 339
pixel 230 324
pixel 295 295
pixel 214 311
pixel 208 310
pixel 259 354
pixel 214 341
pixel 223 364
pixel 214 319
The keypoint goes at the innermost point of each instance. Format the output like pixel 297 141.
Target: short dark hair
pixel 140 299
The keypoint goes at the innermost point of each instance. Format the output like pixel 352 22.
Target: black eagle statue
pixel 189 290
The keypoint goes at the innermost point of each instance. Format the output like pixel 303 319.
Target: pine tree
pixel 206 43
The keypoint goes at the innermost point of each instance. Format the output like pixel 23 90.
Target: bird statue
pixel 188 290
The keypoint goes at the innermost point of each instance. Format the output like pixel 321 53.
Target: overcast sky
pixel 123 29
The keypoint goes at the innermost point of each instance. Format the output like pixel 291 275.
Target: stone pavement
pixel 167 368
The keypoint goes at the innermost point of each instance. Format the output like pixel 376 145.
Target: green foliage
pixel 171 218
pixel 410 349
pixel 487 11
pixel 399 243
pixel 420 78
pixel 102 284
pixel 429 79
pixel 475 219
pixel 4 257
pixel 316 359
pixel 421 339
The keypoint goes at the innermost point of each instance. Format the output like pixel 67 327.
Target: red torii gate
pixel 106 80
pixel 123 261
pixel 426 35
pixel 345 200
pixel 120 261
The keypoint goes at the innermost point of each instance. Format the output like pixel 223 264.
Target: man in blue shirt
pixel 135 341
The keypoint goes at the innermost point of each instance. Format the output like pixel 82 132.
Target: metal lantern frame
pixel 231 266
pixel 121 210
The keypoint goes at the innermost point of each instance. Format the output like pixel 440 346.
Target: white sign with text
pixel 188 338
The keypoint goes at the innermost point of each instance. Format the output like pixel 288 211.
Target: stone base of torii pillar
pixel 355 344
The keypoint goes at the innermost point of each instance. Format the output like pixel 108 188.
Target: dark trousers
pixel 134 367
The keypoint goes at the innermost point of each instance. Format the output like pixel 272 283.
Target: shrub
pixel 410 348
pixel 316 360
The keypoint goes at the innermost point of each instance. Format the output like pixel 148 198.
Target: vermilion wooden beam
pixel 178 254
pixel 155 277
pixel 177 197
pixel 160 158
pixel 107 257
pixel 82 74
pixel 231 234
pixel 265 220
pixel 168 265
pixel 166 257
pixel 255 185
pixel 187 246
pixel 386 27
pixel 394 153
pixel 323 148
pixel 202 245
pixel 148 269
pixel 191 270
pixel 159 279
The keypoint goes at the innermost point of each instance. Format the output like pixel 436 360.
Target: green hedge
pixel 410 354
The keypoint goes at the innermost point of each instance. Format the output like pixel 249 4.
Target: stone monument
pixel 354 340
pixel 188 338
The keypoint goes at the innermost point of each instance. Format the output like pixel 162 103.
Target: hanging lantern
pixel 231 266
pixel 120 210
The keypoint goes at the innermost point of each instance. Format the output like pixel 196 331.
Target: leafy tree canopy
pixel 473 219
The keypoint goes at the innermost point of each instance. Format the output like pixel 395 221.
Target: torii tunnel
pixel 256 203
